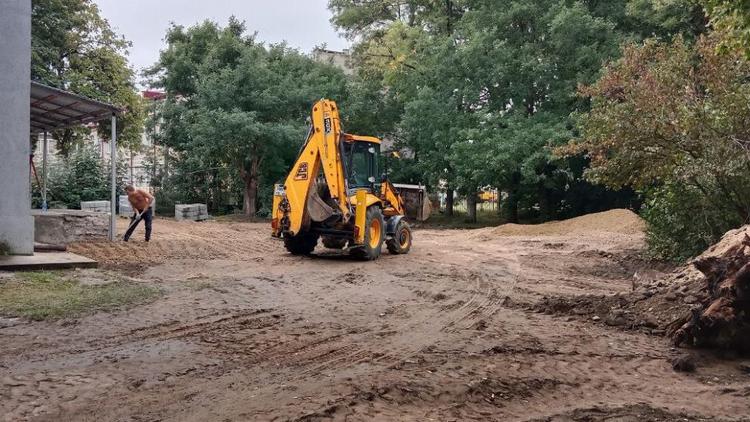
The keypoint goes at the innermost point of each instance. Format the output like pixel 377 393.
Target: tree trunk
pixel 471 207
pixel 250 177
pixel 545 206
pixel 449 201
pixel 513 198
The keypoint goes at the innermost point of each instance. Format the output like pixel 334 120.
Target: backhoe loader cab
pixel 335 193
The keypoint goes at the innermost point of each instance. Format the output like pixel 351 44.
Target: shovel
pixel 138 216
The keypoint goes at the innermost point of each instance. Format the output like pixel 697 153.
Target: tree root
pixel 721 319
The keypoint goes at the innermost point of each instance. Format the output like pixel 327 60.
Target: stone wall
pixel 61 227
pixel 191 212
pixel 95 206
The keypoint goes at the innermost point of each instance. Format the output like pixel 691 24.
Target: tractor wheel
pixel 374 235
pixel 334 242
pixel 400 243
pixel 302 244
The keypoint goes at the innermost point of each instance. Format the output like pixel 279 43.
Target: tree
pixel 732 17
pixel 487 88
pixel 670 119
pixel 234 102
pixel 74 48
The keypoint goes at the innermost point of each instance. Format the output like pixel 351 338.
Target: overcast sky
pixel 302 23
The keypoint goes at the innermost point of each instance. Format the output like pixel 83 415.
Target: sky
pixel 301 23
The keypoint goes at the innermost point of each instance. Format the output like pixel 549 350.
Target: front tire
pixel 400 243
pixel 374 235
pixel 302 244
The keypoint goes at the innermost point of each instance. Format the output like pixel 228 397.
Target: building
pixel 340 59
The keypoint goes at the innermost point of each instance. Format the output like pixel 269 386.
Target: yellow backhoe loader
pixel 334 193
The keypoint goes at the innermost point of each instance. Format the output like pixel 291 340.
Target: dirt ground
pixel 452 331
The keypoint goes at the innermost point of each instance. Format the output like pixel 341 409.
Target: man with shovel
pixel 141 201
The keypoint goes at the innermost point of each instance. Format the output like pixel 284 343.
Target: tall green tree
pixel 74 48
pixel 487 97
pixel 233 102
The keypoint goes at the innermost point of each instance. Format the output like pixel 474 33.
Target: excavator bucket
pixel 317 208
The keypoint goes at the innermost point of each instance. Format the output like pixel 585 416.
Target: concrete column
pixel 16 222
pixel 113 180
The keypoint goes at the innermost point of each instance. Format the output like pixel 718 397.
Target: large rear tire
pixel 400 243
pixel 374 235
pixel 302 244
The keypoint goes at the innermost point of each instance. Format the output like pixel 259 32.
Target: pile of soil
pixel 704 303
pixel 619 221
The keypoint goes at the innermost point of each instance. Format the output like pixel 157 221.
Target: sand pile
pixel 619 221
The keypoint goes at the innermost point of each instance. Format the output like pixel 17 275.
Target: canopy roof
pixel 53 108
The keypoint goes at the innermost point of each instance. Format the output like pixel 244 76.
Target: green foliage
pixel 683 221
pixel 234 103
pixel 485 89
pixel 82 176
pixel 673 115
pixel 74 48
pixel 50 295
pixel 732 16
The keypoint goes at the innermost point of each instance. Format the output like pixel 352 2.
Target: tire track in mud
pixel 172 330
pixel 527 381
pixel 534 365
pixel 389 352
pixel 175 329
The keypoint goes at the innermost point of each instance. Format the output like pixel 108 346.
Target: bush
pixel 82 176
pixel 682 221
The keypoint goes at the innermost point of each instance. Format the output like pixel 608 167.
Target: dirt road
pixel 451 331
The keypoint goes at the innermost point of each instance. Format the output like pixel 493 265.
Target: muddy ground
pixel 452 331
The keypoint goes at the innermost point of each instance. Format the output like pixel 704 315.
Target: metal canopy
pixel 53 109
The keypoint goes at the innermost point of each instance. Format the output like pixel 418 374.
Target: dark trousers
pixel 147 217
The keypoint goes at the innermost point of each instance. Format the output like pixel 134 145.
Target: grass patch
pixel 49 295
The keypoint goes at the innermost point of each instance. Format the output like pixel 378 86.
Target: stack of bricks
pixel 125 208
pixel 191 212
pixel 95 206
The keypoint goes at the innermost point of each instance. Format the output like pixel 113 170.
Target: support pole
pixel 113 182
pixel 44 173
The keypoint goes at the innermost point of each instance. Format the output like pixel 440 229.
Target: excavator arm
pixel 321 152
pixel 393 199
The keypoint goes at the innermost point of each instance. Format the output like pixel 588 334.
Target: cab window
pixel 363 164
